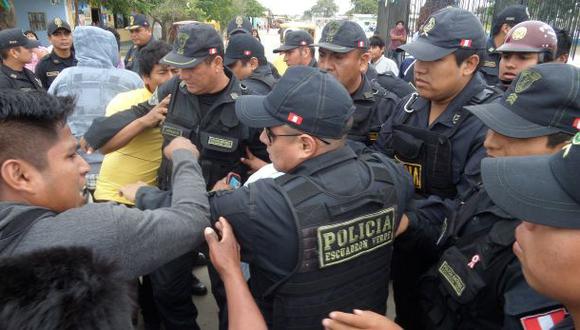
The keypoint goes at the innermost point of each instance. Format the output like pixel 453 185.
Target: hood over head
pixel 95 47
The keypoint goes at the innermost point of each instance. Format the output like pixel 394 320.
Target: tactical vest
pixel 461 290
pixel 428 155
pixel 267 80
pixel 365 127
pixel 219 136
pixel 345 248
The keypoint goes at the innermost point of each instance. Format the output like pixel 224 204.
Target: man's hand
pixel 222 185
pixel 359 320
pixel 403 225
pixel 253 162
pixel 180 143
pixel 225 252
pixel 129 191
pixel 156 115
pixel 84 146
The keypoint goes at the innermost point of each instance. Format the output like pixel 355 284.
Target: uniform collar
pixel 54 56
pixel 8 71
pixel 229 94
pixel 326 160
pixel 490 46
pixel 365 92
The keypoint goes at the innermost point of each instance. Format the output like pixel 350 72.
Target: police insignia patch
pixel 519 33
pixel 526 79
pixel 131 20
pixel 544 320
pixel 511 99
pixel 181 41
pixel 428 26
pixel 239 21
pixel 489 64
pixel 220 142
pixel 452 278
pixel 58 22
pixel 331 30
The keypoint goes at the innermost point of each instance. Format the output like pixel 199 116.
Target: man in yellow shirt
pixel 134 154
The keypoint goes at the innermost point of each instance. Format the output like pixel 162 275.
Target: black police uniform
pixel 490 65
pixel 391 83
pixel 477 283
pixel 374 105
pixel 261 81
pixel 296 282
pixel 24 80
pixel 51 65
pixel 132 58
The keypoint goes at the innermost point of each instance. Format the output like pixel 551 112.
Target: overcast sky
pixel 294 7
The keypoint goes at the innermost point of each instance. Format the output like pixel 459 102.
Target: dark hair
pixel 115 33
pixel 558 138
pixel 462 54
pixel 30 31
pixel 62 288
pixel 29 123
pixel 212 57
pixel 400 22
pixel 4 53
pixel 564 42
pixel 151 55
pixel 376 41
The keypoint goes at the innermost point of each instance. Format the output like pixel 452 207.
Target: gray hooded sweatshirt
pixel 139 241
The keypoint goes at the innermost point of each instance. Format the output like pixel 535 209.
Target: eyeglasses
pixel 271 135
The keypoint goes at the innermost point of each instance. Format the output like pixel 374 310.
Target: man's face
pixel 140 36
pixel 376 53
pixel 283 150
pixel 498 145
pixel 61 39
pixel 345 67
pixel 399 25
pixel 550 260
pixel 199 78
pixel 511 64
pixel 160 74
pixel 242 71
pixel 23 54
pixel 61 183
pixel 438 80
pixel 296 56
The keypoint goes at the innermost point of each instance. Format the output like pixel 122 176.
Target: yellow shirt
pixel 139 160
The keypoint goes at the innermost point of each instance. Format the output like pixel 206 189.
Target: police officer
pixel 477 282
pixel 297 49
pixel 141 34
pixel 502 23
pixel 344 53
pixel 245 57
pixel 319 237
pixel 16 51
pixel 435 138
pixel 526 44
pixel 62 55
pixel 547 239
pixel 238 24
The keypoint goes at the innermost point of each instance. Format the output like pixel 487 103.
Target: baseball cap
pixel 342 37
pixel 239 24
pixel 136 21
pixel 511 15
pixel 243 46
pixel 194 42
pixel 538 189
pixel 14 37
pixel 57 23
pixel 295 39
pixel 305 98
pixel 542 100
pixel 444 32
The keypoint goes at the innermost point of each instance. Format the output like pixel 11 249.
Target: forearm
pixel 243 313
pixel 124 136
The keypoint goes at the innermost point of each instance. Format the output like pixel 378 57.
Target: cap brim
pixel 251 111
pixel 425 51
pixel 526 188
pixel 501 119
pixel 179 61
pixel 333 47
pixel 32 43
pixel 284 48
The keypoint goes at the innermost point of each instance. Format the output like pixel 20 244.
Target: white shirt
pixel 386 64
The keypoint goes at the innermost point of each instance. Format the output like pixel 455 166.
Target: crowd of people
pixel 450 175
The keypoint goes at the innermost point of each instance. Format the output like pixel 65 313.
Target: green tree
pixel 169 11
pixel 364 7
pixel 324 8
pixel 7 15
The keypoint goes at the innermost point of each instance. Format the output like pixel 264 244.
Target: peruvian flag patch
pixel 544 321
pixel 247 52
pixel 212 51
pixel 576 123
pixel 292 117
pixel 465 43
pixel 361 44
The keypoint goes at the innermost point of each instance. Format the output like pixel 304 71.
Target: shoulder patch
pixel 543 321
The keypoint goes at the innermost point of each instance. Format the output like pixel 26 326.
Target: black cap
pixel 542 100
pixel 295 39
pixel 136 21
pixel 194 42
pixel 444 32
pixel 243 46
pixel 239 24
pixel 342 37
pixel 14 37
pixel 305 98
pixel 511 15
pixel 539 189
pixel 57 23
